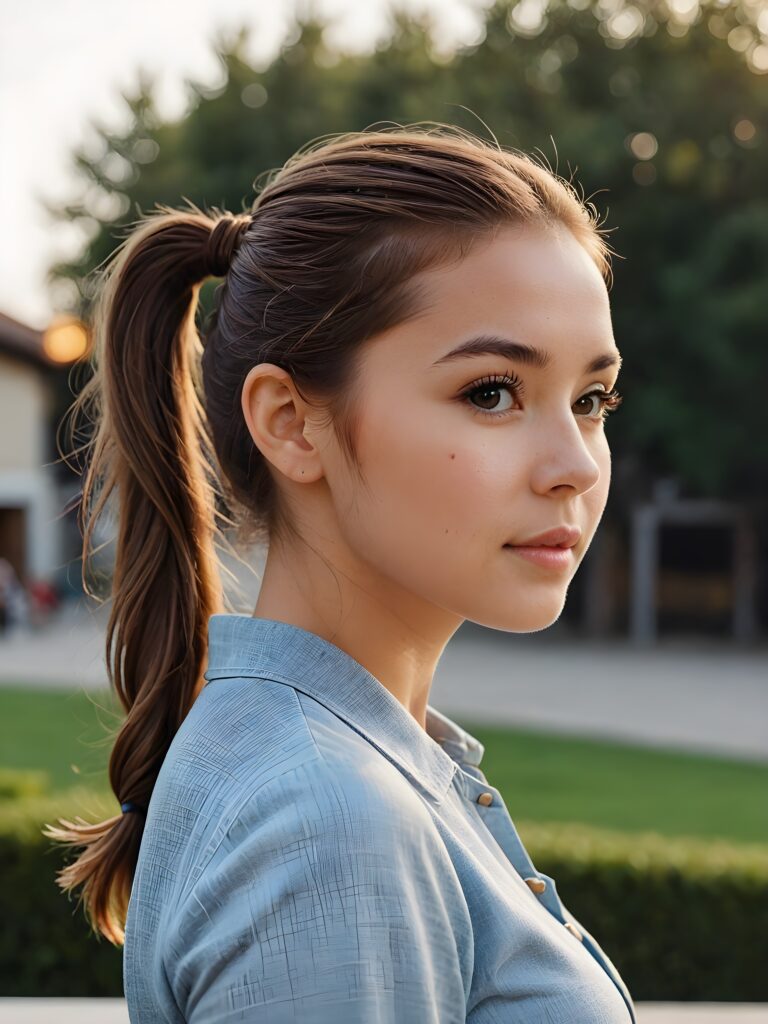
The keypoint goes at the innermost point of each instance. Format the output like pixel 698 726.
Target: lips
pixel 558 537
pixel 551 557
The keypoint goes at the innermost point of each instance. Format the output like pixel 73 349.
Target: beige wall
pixel 23 415
pixel 28 488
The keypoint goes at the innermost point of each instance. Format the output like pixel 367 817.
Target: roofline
pixel 22 342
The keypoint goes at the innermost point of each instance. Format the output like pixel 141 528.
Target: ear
pixel 276 417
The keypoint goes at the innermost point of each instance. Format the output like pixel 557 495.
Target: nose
pixel 568 455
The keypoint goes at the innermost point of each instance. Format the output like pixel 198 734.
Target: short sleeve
pixel 331 899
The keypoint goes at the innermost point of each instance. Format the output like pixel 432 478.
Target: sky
pixel 65 63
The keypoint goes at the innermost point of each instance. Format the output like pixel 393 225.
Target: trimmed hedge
pixel 681 919
pixel 46 945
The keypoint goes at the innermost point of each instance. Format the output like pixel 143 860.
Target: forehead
pixel 537 284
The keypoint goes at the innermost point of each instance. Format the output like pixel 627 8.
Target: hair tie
pixel 128 805
pixel 223 243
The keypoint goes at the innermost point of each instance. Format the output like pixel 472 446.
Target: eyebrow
pixel 528 355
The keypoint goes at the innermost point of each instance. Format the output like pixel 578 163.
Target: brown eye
pixel 487 393
pixel 607 402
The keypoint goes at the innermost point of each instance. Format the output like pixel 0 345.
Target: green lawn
pixel 542 777
pixel 61 732
pixel 545 777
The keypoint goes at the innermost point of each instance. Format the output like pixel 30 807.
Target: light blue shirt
pixel 312 855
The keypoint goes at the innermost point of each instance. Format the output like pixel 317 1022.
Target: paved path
pixel 689 694
pixel 681 694
pixel 113 1011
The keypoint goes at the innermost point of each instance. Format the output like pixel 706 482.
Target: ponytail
pixel 152 448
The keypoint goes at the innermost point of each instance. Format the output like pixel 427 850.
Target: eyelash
pixel 609 400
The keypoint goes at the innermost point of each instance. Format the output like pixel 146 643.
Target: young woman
pixel 403 390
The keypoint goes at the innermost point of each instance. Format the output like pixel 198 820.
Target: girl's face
pixel 466 453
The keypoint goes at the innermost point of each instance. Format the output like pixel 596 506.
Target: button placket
pixel 511 845
pixel 547 894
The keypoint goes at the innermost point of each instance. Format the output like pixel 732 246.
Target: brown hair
pixel 324 260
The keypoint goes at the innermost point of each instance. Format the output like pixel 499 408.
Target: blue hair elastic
pixel 128 806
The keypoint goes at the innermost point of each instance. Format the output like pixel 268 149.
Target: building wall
pixel 29 495
pixel 23 415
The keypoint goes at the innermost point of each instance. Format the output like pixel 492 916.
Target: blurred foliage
pixel 657 110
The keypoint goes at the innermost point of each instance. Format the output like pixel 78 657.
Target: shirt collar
pixel 244 645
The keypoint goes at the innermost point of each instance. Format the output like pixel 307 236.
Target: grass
pixel 61 732
pixel 542 777
pixel 545 777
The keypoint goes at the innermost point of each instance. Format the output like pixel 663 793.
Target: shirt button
pixel 574 930
pixel 485 799
pixel 536 884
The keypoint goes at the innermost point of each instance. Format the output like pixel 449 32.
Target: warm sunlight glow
pixel 65 339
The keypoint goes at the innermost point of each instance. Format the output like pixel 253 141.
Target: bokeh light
pixel 744 130
pixel 254 95
pixel 65 339
pixel 758 58
pixel 643 145
pixel 644 173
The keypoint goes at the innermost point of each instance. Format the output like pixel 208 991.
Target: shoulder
pixel 315 794
pixel 263 766
pixel 250 740
pixel 326 891
pixel 341 799
pixel 238 734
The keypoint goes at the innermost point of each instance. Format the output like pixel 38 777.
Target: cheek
pixel 433 488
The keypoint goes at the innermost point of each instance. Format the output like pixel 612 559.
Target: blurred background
pixel 630 739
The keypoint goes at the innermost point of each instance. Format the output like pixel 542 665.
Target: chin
pixel 518 618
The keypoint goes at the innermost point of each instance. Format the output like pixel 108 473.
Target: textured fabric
pixel 312 855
